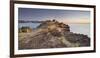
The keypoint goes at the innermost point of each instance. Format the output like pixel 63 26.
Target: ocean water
pixel 76 28
pixel 80 28
pixel 31 25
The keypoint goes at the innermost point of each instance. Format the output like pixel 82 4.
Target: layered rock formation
pixel 52 34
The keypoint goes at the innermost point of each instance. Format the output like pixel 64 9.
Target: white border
pixel 33 51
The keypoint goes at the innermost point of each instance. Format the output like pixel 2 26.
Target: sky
pixel 66 16
pixel 78 20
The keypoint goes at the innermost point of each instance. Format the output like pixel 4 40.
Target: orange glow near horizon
pixel 77 21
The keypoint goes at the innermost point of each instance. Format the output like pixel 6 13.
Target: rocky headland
pixel 51 34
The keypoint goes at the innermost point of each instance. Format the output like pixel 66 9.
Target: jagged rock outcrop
pixel 25 29
pixel 52 34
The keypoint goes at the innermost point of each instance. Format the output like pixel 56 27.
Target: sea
pixel 75 28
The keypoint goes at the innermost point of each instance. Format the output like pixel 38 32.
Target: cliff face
pixel 52 34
